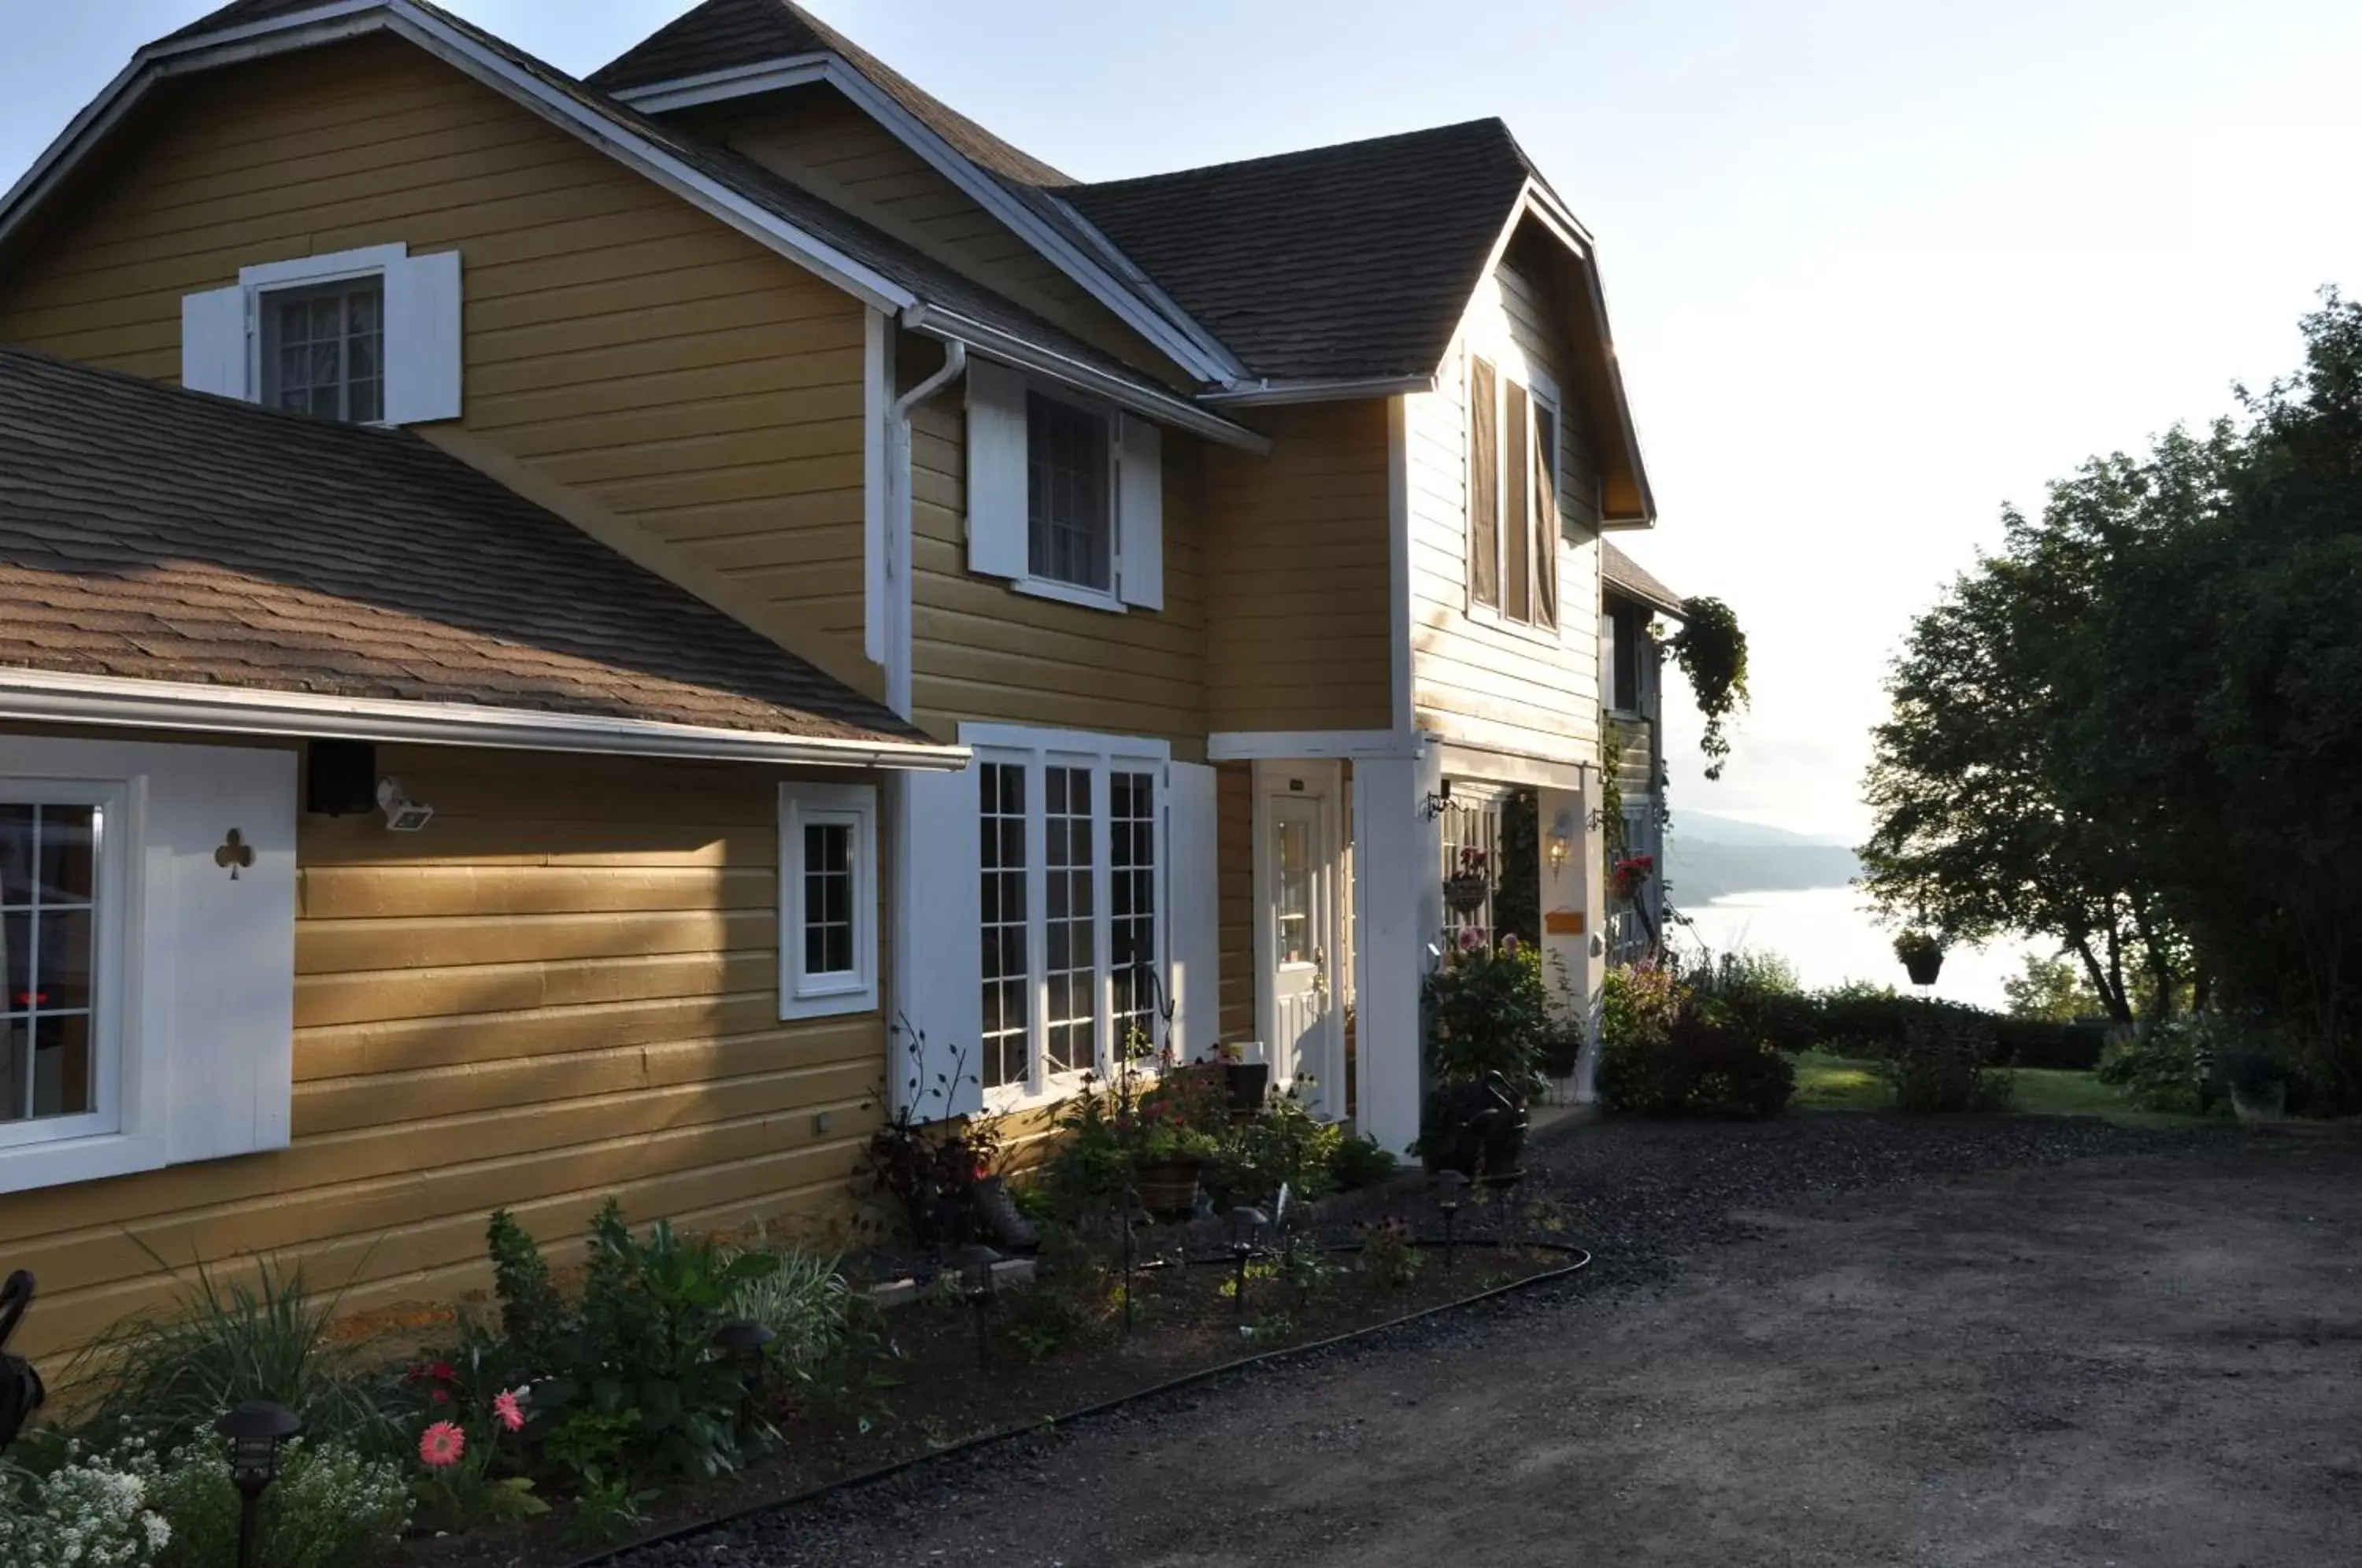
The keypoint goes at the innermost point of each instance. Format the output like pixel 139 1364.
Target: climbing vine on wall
pixel 1711 652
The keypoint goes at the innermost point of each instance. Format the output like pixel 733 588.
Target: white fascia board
pixel 1287 746
pixel 1164 408
pixel 1073 743
pixel 731 81
pixel 989 195
pixel 1267 392
pixel 50 697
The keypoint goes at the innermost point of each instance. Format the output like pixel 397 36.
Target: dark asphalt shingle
pixel 161 534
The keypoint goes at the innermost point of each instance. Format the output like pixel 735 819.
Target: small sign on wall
pixel 1563 922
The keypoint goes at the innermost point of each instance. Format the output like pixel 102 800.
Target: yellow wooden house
pixel 678 572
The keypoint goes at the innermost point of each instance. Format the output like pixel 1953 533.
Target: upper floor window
pixel 368 336
pixel 1513 456
pixel 1069 526
pixel 1066 496
pixel 323 350
pixel 1627 639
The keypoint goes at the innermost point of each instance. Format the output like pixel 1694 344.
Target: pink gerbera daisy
pixel 506 1405
pixel 441 1445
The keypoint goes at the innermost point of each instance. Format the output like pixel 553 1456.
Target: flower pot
pixel 1168 1187
pixel 1245 1084
pixel 1560 1055
pixel 1922 967
pixel 1466 892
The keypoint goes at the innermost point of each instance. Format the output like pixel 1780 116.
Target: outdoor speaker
pixel 341 781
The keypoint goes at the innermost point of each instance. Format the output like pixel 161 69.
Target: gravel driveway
pixel 1836 1339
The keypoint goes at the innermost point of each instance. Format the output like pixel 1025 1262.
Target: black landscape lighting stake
pixel 1244 1223
pixel 974 1262
pixel 742 1341
pixel 255 1432
pixel 1131 1218
pixel 1452 1184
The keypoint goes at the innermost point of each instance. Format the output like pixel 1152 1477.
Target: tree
pixel 2051 990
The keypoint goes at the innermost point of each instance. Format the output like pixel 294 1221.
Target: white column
pixel 1566 952
pixel 1397 853
pixel 1589 863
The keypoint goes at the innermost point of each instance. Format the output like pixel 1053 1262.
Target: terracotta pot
pixel 1168 1187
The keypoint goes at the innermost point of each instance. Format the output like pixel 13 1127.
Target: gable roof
pixel 1338 264
pixel 1624 576
pixel 152 535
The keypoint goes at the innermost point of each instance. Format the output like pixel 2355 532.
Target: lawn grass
pixel 1844 1083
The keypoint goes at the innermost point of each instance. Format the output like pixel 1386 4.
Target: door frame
pixel 1323 783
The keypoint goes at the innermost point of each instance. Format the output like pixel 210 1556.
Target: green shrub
pixel 532 1312
pixel 1488 1011
pixel 1943 1063
pixel 1701 1062
pixel 1362 1161
pixel 2038 1042
pixel 169 1376
pixel 330 1507
pixel 1281 1145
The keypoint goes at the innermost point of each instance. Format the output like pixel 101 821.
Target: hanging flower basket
pixel 1922 955
pixel 1628 875
pixel 1466 892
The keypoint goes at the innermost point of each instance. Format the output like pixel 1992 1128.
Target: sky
pixel 1874 268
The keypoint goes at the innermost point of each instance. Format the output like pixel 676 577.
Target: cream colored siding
pixel 705 391
pixel 1476 679
pixel 1234 888
pixel 982 651
pixel 1298 635
pixel 824 142
pixel 566 986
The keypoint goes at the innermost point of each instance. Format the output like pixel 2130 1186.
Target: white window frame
pixel 837 992
pixel 311 271
pixel 1103 756
pixel 117 848
pixel 1541 392
pixel 1111 420
pixel 420 326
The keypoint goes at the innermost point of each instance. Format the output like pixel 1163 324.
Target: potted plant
pixel 1922 955
pixel 1466 890
pixel 1246 1076
pixel 1170 1159
pixel 1629 875
pixel 1488 1016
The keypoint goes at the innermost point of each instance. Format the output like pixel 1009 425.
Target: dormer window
pixel 323 350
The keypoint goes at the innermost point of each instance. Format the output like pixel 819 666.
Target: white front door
pixel 1295 867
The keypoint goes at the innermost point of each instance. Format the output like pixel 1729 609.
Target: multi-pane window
pixel 1070 957
pixel 323 349
pixel 49 959
pixel 1132 892
pixel 1069 524
pixel 1072 861
pixel 828 898
pixel 1472 844
pixel 1007 1031
pixel 1513 524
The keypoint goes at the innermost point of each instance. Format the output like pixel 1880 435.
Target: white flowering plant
pixel 330 1507
pixel 92 1511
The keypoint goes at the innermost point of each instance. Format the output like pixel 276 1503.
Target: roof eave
pixel 62 697
pixel 1271 391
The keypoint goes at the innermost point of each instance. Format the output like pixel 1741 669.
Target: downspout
pixel 899 589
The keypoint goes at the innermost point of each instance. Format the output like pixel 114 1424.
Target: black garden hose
pixel 1578 1257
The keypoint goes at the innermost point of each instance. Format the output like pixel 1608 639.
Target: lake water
pixel 1829 934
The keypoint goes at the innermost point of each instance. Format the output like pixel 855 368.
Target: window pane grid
pixel 1068 519
pixel 48 933
pixel 828 898
pixel 1132 892
pixel 1477 828
pixel 1007 1015
pixel 1070 961
pixel 323 350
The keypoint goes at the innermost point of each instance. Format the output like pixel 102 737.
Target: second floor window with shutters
pixel 323 350
pixel 1069 526
pixel 1513 450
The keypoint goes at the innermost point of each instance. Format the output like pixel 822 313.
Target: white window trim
pixel 1109 598
pixel 1033 750
pixel 839 992
pixel 1541 388
pixel 114 1051
pixel 304 272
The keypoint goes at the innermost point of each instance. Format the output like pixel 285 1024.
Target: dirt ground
pixel 2146 1360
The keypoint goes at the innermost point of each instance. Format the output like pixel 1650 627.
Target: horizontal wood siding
pixel 566 986
pixel 1475 678
pixel 981 650
pixel 702 389
pixel 1234 895
pixel 824 142
pixel 1297 635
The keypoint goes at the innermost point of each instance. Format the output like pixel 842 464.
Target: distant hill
pixel 1707 857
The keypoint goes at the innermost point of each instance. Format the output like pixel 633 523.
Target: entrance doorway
pixel 1299 935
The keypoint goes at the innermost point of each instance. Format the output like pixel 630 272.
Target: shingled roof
pixel 1341 261
pixel 152 533
pixel 1628 576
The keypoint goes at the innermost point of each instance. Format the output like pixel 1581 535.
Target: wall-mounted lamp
pixel 1560 839
pixel 1437 800
pixel 402 814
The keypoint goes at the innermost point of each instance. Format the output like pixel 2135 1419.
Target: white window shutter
pixel 938 961
pixel 1140 511
pixel 997 536
pixel 212 342
pixel 422 338
pixel 1194 920
pixel 231 1009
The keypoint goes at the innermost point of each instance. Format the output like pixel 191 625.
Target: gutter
pixel 1165 408
pixel 52 697
pixel 1250 394
pixel 898 586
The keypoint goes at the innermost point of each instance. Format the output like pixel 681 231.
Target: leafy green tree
pixel 2051 990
